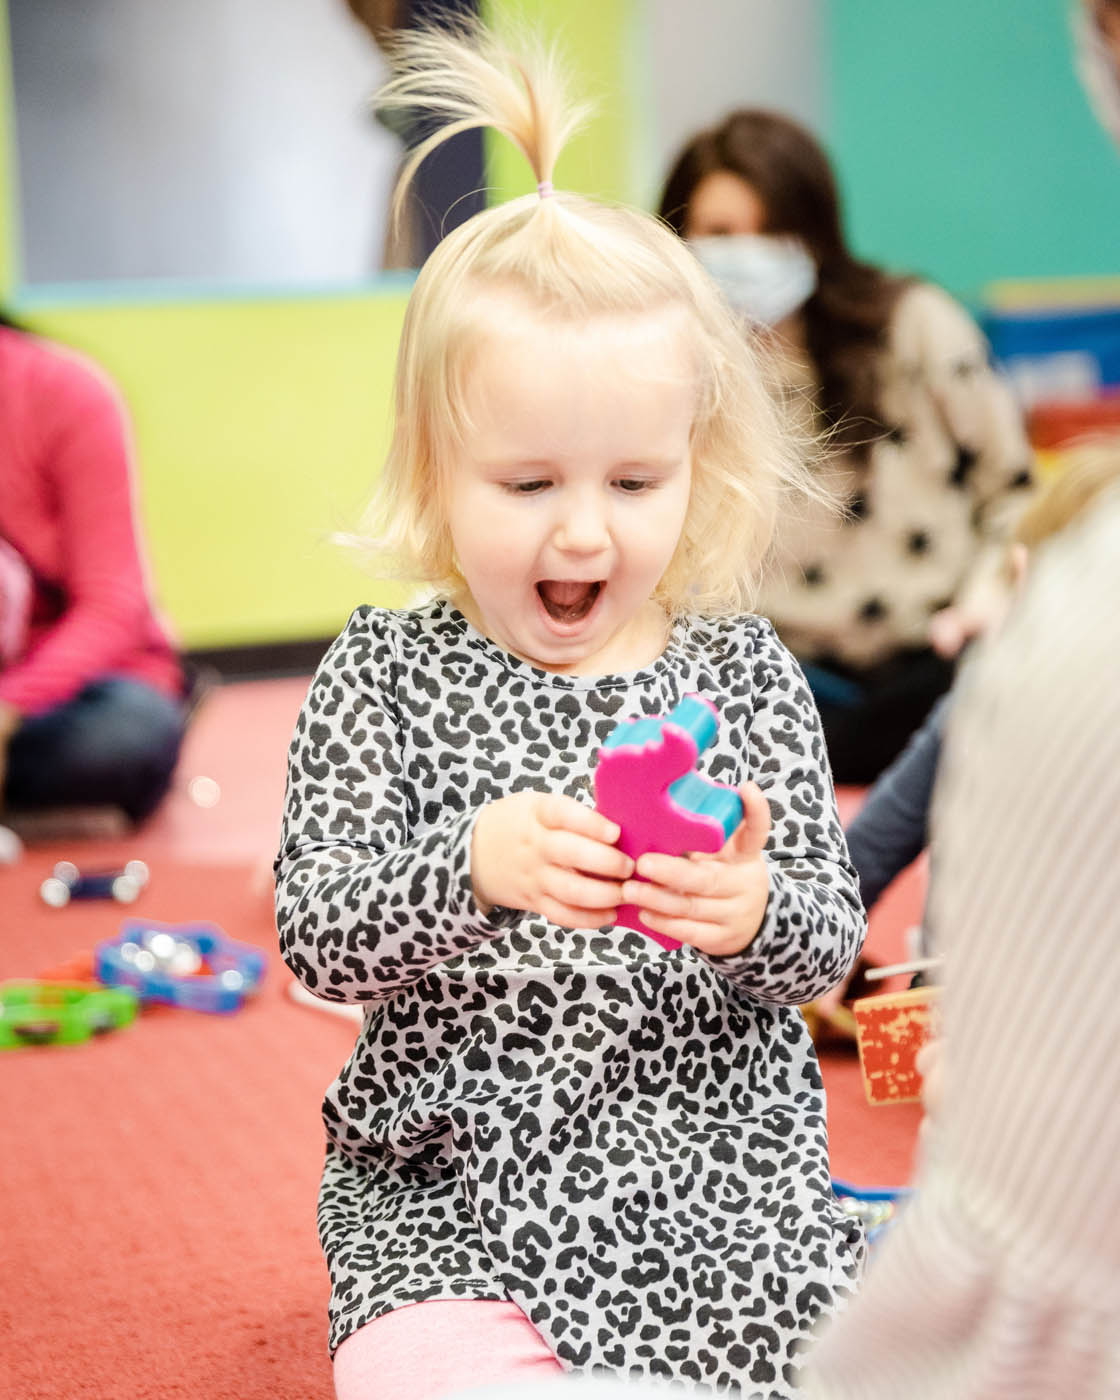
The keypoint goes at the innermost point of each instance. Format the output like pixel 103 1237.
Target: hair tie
pixel 544 189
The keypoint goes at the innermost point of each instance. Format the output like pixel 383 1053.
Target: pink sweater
pixel 67 507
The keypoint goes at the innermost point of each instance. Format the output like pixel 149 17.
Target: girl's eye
pixel 524 488
pixel 634 484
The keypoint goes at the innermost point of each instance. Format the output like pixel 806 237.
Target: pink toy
pixel 644 782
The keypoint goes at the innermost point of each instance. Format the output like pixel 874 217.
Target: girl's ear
pixel 1018 561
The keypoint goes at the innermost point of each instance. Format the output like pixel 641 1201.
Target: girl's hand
pixel 549 854
pixel 715 902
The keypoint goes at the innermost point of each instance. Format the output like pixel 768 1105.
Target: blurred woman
pixel 91 690
pixel 929 450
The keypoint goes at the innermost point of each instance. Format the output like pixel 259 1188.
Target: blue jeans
pixel 114 745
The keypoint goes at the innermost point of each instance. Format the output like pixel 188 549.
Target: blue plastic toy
pixel 874 1206
pixel 190 965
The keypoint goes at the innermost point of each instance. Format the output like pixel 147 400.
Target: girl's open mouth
pixel 568 600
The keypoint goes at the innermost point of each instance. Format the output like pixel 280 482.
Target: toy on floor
pixel 190 965
pixel 78 969
pixel 11 847
pixel 66 882
pixel 890 1030
pixel 644 782
pixel 57 1013
pixel 873 1206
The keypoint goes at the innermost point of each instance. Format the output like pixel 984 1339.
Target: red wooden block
pixel 890 1030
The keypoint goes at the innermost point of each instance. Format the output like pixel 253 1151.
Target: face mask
pixel 1098 72
pixel 762 277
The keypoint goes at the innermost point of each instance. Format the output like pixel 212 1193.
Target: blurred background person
pixel 891 827
pixel 92 704
pixel 1002 1275
pixel 929 452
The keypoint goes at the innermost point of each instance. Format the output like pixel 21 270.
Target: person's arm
pixel 814 923
pixel 891 828
pixel 364 905
pixel 85 453
pixel 995 462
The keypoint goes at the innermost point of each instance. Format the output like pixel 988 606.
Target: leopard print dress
pixel 629 1143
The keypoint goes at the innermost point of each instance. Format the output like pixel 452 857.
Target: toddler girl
pixel 561 1146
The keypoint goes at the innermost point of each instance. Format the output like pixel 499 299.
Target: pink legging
pixel 431 1350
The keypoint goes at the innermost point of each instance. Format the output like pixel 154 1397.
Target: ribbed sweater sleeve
pixel 1002 1277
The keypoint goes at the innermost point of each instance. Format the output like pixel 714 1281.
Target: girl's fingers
pixel 569 916
pixel 673 904
pixel 561 813
pixel 709 938
pixel 686 876
pixel 570 888
pixel 565 848
pixel 750 837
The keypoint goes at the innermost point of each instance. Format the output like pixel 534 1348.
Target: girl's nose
pixel 583 527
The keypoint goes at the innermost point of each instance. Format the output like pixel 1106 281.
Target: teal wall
pixel 965 144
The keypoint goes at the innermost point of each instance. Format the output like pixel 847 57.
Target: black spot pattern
pixel 962 468
pixel 630 1144
pixel 873 610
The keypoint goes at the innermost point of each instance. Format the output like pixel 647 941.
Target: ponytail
pixel 467 77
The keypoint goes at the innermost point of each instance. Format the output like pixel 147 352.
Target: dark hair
pixel 847 316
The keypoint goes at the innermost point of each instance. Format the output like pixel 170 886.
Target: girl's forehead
pixel 517 328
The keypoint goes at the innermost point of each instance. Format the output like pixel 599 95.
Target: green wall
pixel 965 143
pixel 261 419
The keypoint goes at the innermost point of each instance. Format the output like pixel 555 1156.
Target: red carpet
pixel 158 1219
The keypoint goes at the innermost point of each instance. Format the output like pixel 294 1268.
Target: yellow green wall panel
pixel 260 427
pixel 261 420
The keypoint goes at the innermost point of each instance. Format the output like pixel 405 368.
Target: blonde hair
pixel 1087 469
pixel 567 258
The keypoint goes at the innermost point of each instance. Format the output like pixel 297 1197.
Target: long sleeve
pixel 936 338
pixel 891 828
pixel 814 923
pixel 365 903
pixel 75 454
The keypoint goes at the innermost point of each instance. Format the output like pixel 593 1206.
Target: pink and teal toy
pixel 644 781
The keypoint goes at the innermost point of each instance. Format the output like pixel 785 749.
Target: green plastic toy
pixel 60 1013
